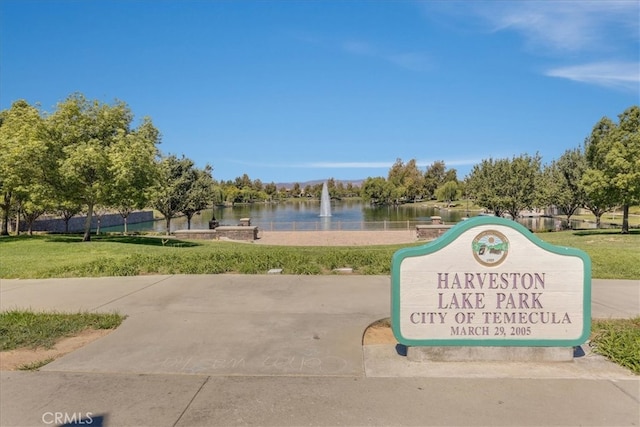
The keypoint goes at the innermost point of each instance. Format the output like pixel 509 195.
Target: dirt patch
pixel 379 332
pixel 12 360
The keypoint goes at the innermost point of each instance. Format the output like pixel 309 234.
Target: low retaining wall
pixel 431 232
pixel 246 233
pixel 76 224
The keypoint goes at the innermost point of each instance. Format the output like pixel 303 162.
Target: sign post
pixel 490 282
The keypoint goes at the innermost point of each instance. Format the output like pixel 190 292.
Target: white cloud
pixel 610 74
pixel 565 25
pixel 345 165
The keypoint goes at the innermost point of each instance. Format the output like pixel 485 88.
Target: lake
pixel 345 215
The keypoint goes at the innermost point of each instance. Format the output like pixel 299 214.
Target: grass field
pixel 613 255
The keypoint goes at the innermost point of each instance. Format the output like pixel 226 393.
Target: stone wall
pixel 76 224
pixel 431 232
pixel 246 233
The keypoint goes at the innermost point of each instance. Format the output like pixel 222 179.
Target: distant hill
pixel 354 182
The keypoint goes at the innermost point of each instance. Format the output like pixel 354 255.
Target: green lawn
pixel 614 256
pixel 34 330
pixel 618 340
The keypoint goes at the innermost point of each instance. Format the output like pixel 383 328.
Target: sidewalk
pixel 287 350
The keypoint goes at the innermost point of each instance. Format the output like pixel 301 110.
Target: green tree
pixel 200 193
pixel 505 185
pixel 561 184
pixel 271 190
pixel 395 177
pixel 232 193
pixel 377 191
pixel 521 184
pixel 217 194
pixel 133 169
pixel 84 138
pixel 448 192
pixel 67 210
pixel 613 162
pixel 243 181
pixel 296 190
pixel 171 192
pixel 258 185
pixel 407 180
pixel 22 157
pixel 434 177
pixel 481 184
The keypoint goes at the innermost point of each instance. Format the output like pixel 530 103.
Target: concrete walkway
pixel 287 350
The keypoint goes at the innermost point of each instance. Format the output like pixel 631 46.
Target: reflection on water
pixel 346 215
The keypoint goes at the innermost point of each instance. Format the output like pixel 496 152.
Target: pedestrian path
pixel 287 350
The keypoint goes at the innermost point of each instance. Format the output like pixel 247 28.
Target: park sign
pixel 489 281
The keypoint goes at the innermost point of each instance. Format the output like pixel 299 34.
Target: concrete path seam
pixel 131 293
pixel 186 408
pixel 615 384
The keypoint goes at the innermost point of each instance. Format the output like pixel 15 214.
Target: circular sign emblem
pixel 490 248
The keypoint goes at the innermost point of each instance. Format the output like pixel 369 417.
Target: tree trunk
pixel 598 224
pixel 5 213
pixel 124 218
pixel 87 224
pixel 625 219
pixel 189 221
pixel 18 223
pixel 168 222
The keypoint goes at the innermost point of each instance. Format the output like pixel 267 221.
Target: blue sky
pixel 302 90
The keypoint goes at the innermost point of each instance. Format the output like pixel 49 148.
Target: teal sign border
pixel 451 235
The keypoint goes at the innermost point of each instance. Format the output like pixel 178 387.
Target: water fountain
pixel 325 202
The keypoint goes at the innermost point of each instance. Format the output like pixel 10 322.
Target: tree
pixel 562 183
pixel 133 168
pixel 296 191
pixel 200 193
pixel 613 162
pixel 377 191
pixel 243 181
pixel 22 157
pixel 271 190
pixel 171 193
pixel 406 179
pixel 232 193
pixel 482 184
pixel 68 210
pixel 86 140
pixel 448 192
pixel 395 177
pixel 217 195
pixel 521 184
pixel 505 185
pixel 434 177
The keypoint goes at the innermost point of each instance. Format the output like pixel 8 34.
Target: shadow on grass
pixel 607 232
pixel 130 240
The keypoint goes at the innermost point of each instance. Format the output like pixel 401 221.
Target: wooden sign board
pixel 489 281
